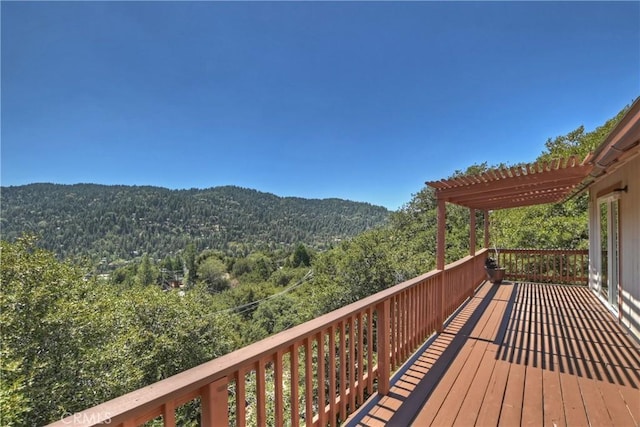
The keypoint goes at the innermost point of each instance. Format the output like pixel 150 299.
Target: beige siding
pixel 628 175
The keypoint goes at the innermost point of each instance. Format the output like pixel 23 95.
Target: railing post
pixel 383 310
pixel 441 303
pixel 215 408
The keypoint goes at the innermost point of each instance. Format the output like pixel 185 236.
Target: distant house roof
pixel 539 183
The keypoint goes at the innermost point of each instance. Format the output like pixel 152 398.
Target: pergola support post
pixel 472 245
pixel 486 229
pixel 440 245
pixel 472 231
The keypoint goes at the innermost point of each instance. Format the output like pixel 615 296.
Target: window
pixel 608 219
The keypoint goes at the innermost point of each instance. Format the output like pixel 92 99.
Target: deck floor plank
pixel 552 396
pixel 450 407
pixel 620 413
pixel 445 385
pixel 574 409
pixel 464 390
pixel 439 395
pixel 511 411
pixel 532 408
pixel 632 399
pixel 594 403
pixel 473 402
pixel 532 411
pixel 489 414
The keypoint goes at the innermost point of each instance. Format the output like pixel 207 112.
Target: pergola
pixel 535 183
pixel 523 185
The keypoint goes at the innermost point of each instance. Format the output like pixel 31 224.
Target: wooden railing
pixel 314 374
pixel 561 266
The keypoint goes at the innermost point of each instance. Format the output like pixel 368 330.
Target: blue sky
pixel 358 100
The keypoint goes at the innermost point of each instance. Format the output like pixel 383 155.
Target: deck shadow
pixel 560 333
pixel 574 335
pixel 410 406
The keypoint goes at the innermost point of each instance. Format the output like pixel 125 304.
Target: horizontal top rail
pixel 542 251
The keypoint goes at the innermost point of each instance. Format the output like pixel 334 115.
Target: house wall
pixel 629 203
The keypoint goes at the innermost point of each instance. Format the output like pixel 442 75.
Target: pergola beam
pixel 475 192
pixel 524 185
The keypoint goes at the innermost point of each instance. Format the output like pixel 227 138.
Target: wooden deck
pixel 518 354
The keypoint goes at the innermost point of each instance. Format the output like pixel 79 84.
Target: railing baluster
pixel 214 404
pixel 402 338
pixel 441 302
pixel 295 378
pixel 421 311
pixel 352 364
pixel 384 363
pixel 393 323
pixel 169 414
pixel 261 393
pixel 322 418
pixel 370 335
pixel 360 359
pixel 308 381
pixel 332 376
pixel 279 392
pixel 416 326
pixel 343 373
pixel 241 398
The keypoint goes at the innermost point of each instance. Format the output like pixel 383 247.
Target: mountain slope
pixel 124 221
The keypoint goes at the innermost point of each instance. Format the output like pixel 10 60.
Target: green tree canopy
pixel 300 257
pixel 147 272
pixel 68 343
pixel 213 273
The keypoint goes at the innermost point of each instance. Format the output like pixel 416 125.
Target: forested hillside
pixel 115 222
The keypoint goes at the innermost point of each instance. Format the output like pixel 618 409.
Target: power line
pixel 246 307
